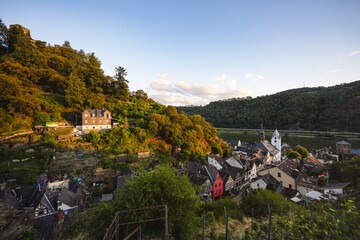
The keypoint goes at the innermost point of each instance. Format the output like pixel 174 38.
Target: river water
pixel 293 139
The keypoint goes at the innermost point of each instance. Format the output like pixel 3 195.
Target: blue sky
pixel 193 52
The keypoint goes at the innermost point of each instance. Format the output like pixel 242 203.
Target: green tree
pixel 160 186
pixel 303 152
pixel 3 38
pixel 291 154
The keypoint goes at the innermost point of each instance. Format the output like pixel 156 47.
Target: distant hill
pixel 335 108
pixel 40 82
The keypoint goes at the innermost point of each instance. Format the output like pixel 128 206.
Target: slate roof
pixel 127 171
pixel 337 185
pixel 234 161
pixel 212 172
pixel 68 197
pixel 271 182
pixel 355 151
pixel 30 196
pixel 7 196
pixel 289 167
pixel 49 200
pixel 194 167
pixel 343 142
pixel 97 112
pixel 198 179
pixel 276 134
pixel 313 160
pixel 266 146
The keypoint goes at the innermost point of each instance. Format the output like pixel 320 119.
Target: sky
pixel 191 52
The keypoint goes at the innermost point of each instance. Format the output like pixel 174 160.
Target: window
pixel 219 184
pixel 93 121
pixel 279 174
pixel 85 114
pixel 219 190
pixel 215 191
pixel 215 184
pixel 290 186
pixel 85 121
pixel 100 121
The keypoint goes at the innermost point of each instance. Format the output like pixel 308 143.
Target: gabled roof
pixel 234 161
pixel 68 197
pixel 212 172
pixel 266 146
pixel 96 112
pixel 194 167
pixel 337 185
pixel 276 134
pixel 313 160
pixel 343 142
pixel 289 167
pixel 198 179
pixel 271 182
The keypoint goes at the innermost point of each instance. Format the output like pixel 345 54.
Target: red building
pixel 217 181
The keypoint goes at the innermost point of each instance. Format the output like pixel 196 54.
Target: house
pixel 197 175
pixel 336 188
pixel 215 161
pixel 216 180
pixel 236 171
pixel 95 120
pixel 265 182
pixel 124 176
pixel 343 147
pixel 47 204
pixel 274 148
pixel 285 172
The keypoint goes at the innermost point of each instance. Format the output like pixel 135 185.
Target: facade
pixel 343 147
pixel 96 120
pixel 273 148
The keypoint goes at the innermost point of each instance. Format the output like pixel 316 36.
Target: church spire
pixel 262 133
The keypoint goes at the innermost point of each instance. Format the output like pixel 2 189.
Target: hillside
pixel 40 82
pixel 322 108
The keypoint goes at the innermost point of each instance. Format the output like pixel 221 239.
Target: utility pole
pixel 269 222
pixel 226 224
pixel 117 226
pixel 203 237
pixel 292 217
pixel 166 223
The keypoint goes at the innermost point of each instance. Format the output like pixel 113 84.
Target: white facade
pixel 212 161
pixel 89 127
pixel 276 141
pixel 258 184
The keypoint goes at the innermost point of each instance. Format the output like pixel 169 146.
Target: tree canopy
pixel 160 186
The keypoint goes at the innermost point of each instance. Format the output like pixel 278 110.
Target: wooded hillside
pixel 40 82
pixel 322 108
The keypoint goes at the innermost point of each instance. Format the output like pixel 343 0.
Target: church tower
pixel 276 140
pixel 262 134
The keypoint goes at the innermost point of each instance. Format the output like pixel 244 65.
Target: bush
pixel 232 209
pixel 259 201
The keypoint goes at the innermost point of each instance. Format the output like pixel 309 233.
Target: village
pixel 74 181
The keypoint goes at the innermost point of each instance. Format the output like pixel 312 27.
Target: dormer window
pixel 85 114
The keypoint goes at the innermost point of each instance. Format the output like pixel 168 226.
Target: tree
pixel 160 186
pixel 120 74
pixel 259 201
pixel 291 154
pixel 119 87
pixel 303 152
pixel 3 38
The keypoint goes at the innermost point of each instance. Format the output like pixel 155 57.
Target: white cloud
pixel 260 77
pixel 333 71
pixel 163 76
pixel 354 53
pixel 161 85
pixel 183 93
pixel 248 76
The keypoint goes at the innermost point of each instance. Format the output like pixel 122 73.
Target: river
pixel 311 140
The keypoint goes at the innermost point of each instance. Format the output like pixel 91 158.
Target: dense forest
pixel 335 108
pixel 40 82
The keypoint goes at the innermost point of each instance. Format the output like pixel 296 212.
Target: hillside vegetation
pixel 334 108
pixel 40 83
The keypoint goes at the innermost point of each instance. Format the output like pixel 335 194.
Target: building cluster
pixel 49 203
pixel 264 165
